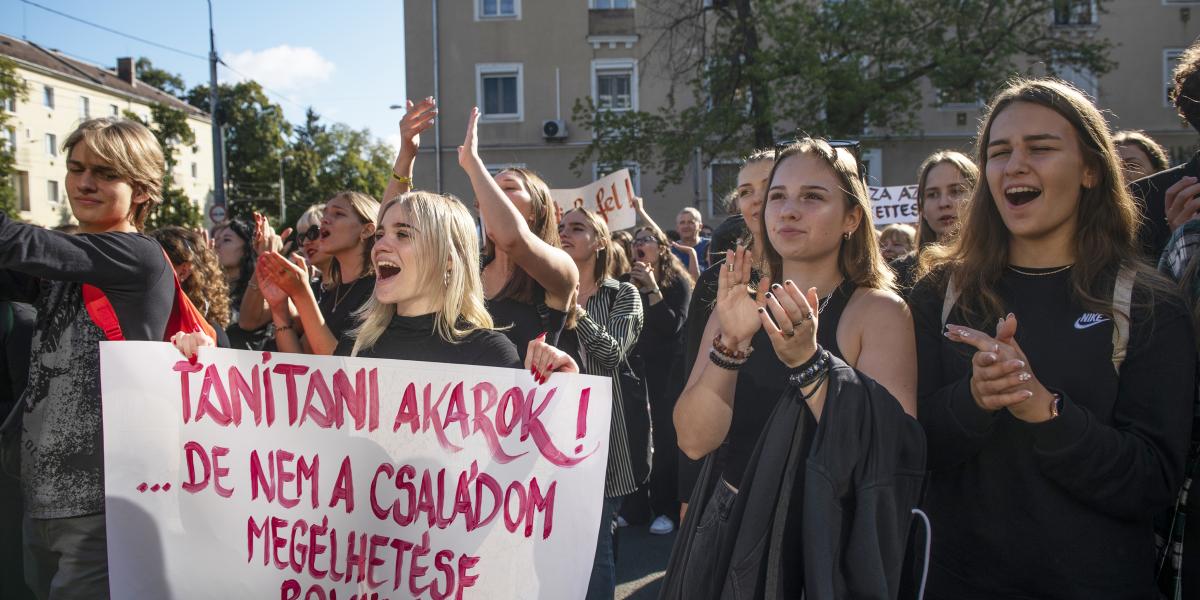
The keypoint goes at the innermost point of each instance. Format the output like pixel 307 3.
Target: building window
pixel 614 84
pixel 1170 61
pixel 610 4
pixel 635 173
pixel 722 187
pixel 497 9
pixel 112 108
pixel 85 107
pixel 10 105
pixel 872 164
pixel 52 191
pixel 195 170
pixel 47 96
pixel 51 144
pixel 10 139
pixel 1068 13
pixel 1082 78
pixel 20 181
pixel 499 92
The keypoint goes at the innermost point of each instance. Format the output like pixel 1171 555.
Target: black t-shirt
pixel 1060 509
pixel 339 303
pixel 1151 193
pixel 414 338
pixel 522 322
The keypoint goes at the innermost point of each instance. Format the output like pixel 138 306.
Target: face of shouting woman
pixel 341 229
pixel 805 211
pixel 401 277
pixel 646 248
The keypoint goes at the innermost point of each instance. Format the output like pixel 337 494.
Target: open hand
pixel 790 319
pixel 1000 373
pixel 468 152
pixel 736 310
pixel 274 269
pixel 417 119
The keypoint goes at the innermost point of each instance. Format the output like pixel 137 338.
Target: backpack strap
pixel 102 313
pixel 952 294
pixel 184 315
pixel 1122 300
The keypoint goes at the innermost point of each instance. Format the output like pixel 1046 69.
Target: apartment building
pixel 61 93
pixel 525 62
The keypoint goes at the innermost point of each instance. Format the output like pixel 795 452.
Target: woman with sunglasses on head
pixel 199 275
pixel 944 183
pixel 665 288
pixel 1058 402
pixel 528 280
pixel 346 235
pixel 817 236
pixel 607 322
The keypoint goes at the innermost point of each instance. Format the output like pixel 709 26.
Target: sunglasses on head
pixel 311 234
pixel 854 147
pixel 645 240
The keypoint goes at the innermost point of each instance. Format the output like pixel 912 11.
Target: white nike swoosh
pixel 1079 325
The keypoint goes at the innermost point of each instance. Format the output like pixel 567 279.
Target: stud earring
pixel 846 235
pixel 446 279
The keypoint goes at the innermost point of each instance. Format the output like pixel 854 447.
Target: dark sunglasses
pixel 645 240
pixel 854 147
pixel 311 234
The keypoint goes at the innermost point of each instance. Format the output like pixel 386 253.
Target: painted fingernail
pixel 762 310
pixel 770 295
pixel 1025 377
pixel 1019 364
pixel 541 336
pixel 776 286
pixel 995 347
pixel 1010 316
pixel 790 282
pixel 1028 394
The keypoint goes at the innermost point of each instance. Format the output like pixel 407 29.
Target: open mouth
pixel 385 270
pixel 641 254
pixel 1019 195
pixel 324 233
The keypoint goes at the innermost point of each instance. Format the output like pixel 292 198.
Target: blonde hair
pixel 365 208
pixel 447 250
pixel 310 217
pixel 859 258
pixel 900 232
pixel 131 151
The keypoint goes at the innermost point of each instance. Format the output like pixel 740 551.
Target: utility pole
pixel 218 139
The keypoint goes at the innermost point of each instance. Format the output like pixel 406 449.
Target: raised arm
pixel 105 260
pixel 548 265
pixel 254 312
pixel 291 278
pixel 417 118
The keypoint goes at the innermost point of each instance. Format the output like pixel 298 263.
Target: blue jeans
pixel 603 583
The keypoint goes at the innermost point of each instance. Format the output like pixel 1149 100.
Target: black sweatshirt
pixel 1060 509
pixel 62 457
pixel 413 338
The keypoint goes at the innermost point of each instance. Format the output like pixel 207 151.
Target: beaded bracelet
pixel 723 361
pixel 812 370
pixel 730 353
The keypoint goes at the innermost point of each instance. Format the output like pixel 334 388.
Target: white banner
pixel 258 475
pixel 895 204
pixel 610 197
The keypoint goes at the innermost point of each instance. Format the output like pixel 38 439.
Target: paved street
pixel 641 559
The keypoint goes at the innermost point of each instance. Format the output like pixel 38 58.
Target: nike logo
pixel 1090 320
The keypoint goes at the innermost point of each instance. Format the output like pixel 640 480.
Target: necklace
pixel 338 296
pixel 823 303
pixel 1040 273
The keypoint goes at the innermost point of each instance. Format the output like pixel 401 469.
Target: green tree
pixel 170 127
pixel 12 89
pixel 742 69
pixel 171 83
pixel 255 139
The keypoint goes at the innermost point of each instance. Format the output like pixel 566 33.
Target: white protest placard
pixel 259 475
pixel 610 196
pixel 894 204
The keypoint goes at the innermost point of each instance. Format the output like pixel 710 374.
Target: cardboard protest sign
pixel 610 197
pixel 895 204
pixel 259 475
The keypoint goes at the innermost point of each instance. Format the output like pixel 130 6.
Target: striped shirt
pixel 606 336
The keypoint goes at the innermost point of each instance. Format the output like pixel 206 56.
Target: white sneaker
pixel 662 525
pixel 621 522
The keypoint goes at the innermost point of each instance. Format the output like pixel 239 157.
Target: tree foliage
pixel 12 89
pixel 171 83
pixel 170 127
pixel 743 72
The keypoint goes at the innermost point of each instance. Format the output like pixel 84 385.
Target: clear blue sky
pixel 345 59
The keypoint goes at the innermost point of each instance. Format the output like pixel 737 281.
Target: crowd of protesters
pixel 997 401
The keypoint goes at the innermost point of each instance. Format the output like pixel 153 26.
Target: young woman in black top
pixel 944 183
pixel 528 280
pixel 665 288
pixel 347 234
pixel 427 303
pixel 1052 443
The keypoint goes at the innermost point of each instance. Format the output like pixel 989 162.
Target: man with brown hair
pixel 114 179
pixel 1170 198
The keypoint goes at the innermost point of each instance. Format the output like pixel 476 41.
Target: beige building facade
pixel 525 62
pixel 62 92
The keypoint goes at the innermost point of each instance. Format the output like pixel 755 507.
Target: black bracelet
pixel 723 361
pixel 811 370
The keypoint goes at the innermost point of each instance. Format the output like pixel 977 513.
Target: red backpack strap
pixel 102 313
pixel 185 316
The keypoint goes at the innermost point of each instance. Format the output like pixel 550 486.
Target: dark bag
pixel 635 397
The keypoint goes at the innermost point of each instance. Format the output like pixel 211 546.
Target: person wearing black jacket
pixel 1169 198
pixel 114 179
pixel 1052 443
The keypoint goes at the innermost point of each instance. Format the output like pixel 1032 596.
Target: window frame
pixel 1170 56
pixel 20 183
pixel 635 173
pixel 48 100
pixel 85 107
pixel 712 198
pixel 602 65
pixel 51 145
pixel 479 16
pixel 56 197
pixel 1095 12
pixel 486 69
pixel 592 5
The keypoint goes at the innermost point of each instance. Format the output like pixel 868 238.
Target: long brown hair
pixel 205 286
pixel 604 257
pixel 543 221
pixel 1107 217
pixel 966 168
pixel 669 270
pixel 859 258
pixel 365 208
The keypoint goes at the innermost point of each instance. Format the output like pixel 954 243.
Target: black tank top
pixel 762 380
